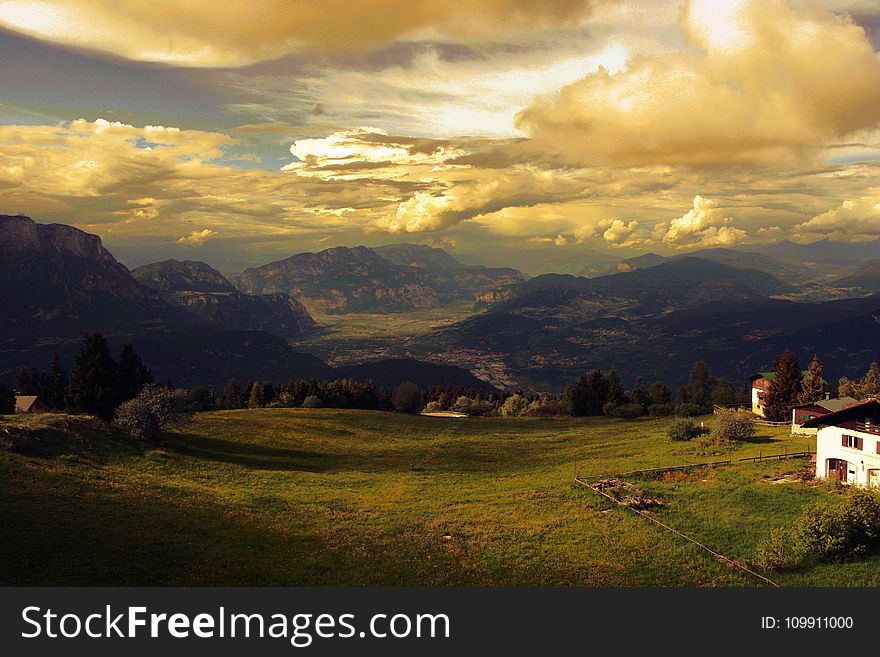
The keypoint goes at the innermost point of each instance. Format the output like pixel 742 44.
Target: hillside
pixel 656 322
pixel 360 280
pixel 358 498
pixel 394 371
pixel 418 255
pixel 58 282
pixel 203 291
pixel 866 277
pixel 186 276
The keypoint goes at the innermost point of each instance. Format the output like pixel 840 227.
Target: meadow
pixel 334 497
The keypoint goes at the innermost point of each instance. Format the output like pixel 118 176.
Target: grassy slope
pixel 292 496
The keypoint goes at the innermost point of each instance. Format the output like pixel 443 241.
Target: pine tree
pixel 56 384
pixel 7 400
pixel 231 395
pixel 813 386
pixel 696 391
pixel 28 381
pixel 660 393
pixel 133 374
pixel 871 381
pixel 588 394
pixel 93 384
pixel 639 394
pixel 616 392
pixel 784 388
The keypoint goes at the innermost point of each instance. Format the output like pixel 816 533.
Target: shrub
pixel 155 407
pixel 774 552
pixel 660 410
pixel 689 410
pixel 434 406
pixel 848 529
pixel 733 426
pixel 407 398
pixel 683 428
pixel 312 401
pixel 627 411
pixel 548 407
pixel 514 406
pixel 474 407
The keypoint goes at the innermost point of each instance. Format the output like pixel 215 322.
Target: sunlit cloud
pixel 762 82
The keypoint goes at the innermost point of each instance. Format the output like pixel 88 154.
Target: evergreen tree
pixel 697 390
pixel 231 395
pixel 7 400
pixel 133 374
pixel 616 392
pixel 660 393
pixel 813 386
pixel 784 388
pixel 639 394
pixel 93 383
pixel 28 381
pixel 260 395
pixel 56 384
pixel 588 394
pixel 723 393
pixel 871 381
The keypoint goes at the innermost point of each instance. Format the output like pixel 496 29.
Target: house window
pixel 853 442
pixel 878 446
pixel 807 417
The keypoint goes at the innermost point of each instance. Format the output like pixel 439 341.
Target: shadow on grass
pixel 247 455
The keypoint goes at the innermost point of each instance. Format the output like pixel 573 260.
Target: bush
pixel 474 407
pixel 774 553
pixel 733 426
pixel 848 529
pixel 407 398
pixel 627 411
pixel 548 407
pixel 514 406
pixel 312 401
pixel 435 406
pixel 660 410
pixel 690 410
pixel 683 429
pixel 155 407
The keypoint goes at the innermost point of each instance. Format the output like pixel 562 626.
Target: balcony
pixel 868 427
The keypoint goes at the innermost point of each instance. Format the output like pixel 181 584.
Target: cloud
pixel 616 231
pixel 703 225
pixel 197 237
pixel 853 221
pixel 210 34
pixel 761 81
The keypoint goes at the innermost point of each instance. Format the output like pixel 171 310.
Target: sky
pixel 532 134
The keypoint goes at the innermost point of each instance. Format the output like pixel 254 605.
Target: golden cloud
pixel 769 82
pixel 853 221
pixel 197 237
pixel 209 33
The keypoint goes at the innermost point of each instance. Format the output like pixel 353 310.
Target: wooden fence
pixel 709 464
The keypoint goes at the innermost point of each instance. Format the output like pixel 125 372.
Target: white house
pixel 848 444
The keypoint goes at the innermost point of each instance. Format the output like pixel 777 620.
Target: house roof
pixel 833 404
pixel 857 411
pixel 23 403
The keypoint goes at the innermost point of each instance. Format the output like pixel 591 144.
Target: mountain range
pixel 653 317
pixel 58 282
pixel 202 290
pixel 656 321
pixel 389 279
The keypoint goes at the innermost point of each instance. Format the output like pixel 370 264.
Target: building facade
pixel 848 444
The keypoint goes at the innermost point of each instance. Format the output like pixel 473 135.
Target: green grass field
pixel 330 497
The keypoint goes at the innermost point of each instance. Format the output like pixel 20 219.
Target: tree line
pixel 97 385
